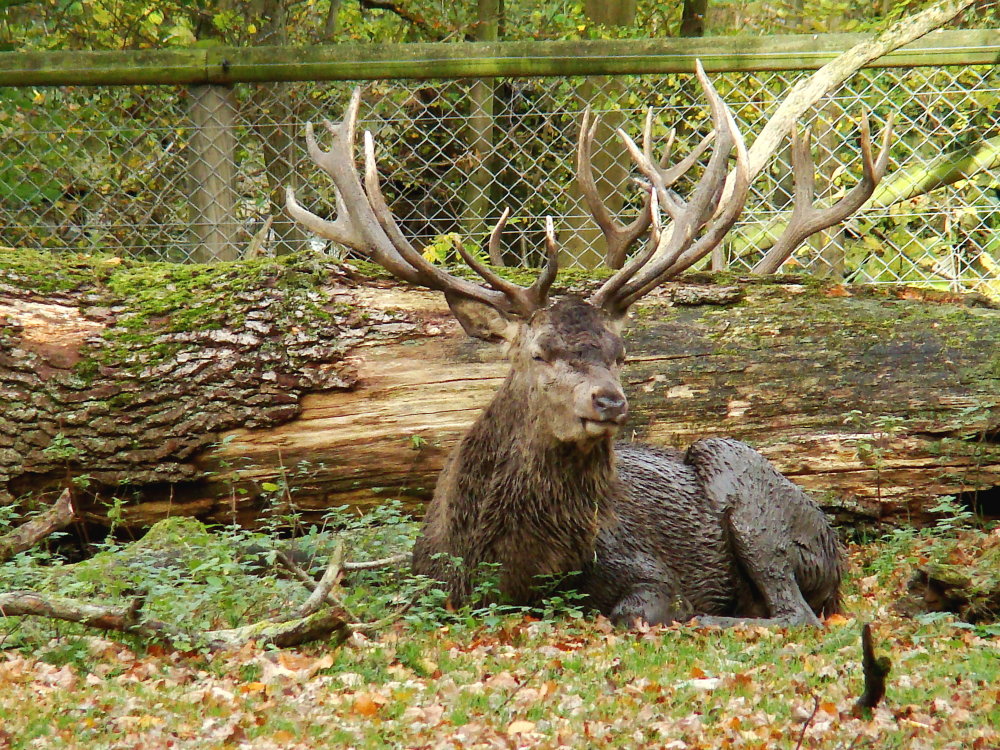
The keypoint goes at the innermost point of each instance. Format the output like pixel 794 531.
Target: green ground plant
pixel 422 674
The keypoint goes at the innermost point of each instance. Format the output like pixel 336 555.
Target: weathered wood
pixel 249 376
pixel 349 62
pixel 212 174
pixel 58 516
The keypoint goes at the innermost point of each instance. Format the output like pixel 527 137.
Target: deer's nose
pixel 610 407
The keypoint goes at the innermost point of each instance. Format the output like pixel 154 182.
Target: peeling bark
pixel 348 390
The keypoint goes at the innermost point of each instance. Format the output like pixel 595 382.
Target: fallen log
pixel 229 391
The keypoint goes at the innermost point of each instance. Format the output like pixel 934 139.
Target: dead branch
pixel 810 90
pixel 322 592
pixel 802 736
pixel 875 671
pixel 323 623
pixel 29 603
pixel 327 622
pixel 383 562
pixel 29 534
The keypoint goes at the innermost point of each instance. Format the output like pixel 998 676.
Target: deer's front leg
pixel 654 604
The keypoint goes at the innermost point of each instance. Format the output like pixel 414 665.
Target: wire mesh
pixel 175 173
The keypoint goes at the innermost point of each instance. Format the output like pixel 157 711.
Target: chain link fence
pixel 190 173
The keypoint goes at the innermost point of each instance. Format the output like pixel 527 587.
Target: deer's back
pixel 661 529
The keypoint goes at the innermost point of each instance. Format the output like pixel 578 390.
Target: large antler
pixel 806 219
pixel 619 238
pixel 672 252
pixel 700 223
pixel 365 223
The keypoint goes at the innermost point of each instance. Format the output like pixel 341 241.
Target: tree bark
pixel 693 18
pixel 219 391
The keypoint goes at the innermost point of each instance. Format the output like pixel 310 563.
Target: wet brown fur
pixel 655 534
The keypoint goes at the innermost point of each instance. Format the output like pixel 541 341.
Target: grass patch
pixel 489 677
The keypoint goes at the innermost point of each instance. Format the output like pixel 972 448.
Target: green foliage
pixel 61 449
pixel 124 24
pixel 486 672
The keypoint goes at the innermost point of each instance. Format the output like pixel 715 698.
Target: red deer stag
pixel 537 487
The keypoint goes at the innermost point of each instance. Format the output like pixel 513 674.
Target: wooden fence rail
pixel 224 65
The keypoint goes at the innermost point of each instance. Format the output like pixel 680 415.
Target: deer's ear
pixel 482 321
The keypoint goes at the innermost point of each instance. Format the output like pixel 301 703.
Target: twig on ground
pixel 26 536
pixel 527 678
pixel 304 578
pixel 802 736
pixel 384 562
pixel 323 591
pixel 389 619
pixel 875 671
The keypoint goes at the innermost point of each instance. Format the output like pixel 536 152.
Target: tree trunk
pixel 220 390
pixel 693 18
pixel 584 245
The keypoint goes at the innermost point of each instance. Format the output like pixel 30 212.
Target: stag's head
pixel 567 354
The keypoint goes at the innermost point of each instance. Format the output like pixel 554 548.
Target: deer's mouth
pixel 600 427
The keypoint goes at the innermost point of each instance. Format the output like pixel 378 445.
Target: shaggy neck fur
pixel 533 501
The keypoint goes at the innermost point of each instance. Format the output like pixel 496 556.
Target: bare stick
pixel 802 736
pixel 383 562
pixel 304 578
pixel 317 625
pixel 810 90
pixel 28 535
pixel 875 671
pixel 320 594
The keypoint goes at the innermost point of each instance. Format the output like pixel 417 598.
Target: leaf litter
pixel 563 682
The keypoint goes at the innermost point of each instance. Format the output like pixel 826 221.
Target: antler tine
pixel 494 250
pixel 610 288
pixel 504 295
pixel 540 288
pixel 524 300
pixel 364 221
pixel 679 249
pixel 618 237
pixel 806 219
pixel 356 225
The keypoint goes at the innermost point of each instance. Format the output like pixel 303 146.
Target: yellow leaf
pixel 836 620
pixel 38 98
pixel 520 727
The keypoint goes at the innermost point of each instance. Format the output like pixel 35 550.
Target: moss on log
pixel 225 391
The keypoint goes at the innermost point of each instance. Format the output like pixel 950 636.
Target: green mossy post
pixel 197 390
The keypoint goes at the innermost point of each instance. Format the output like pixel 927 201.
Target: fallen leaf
pixel 837 291
pixel 835 621
pixel 368 704
pixel 520 727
